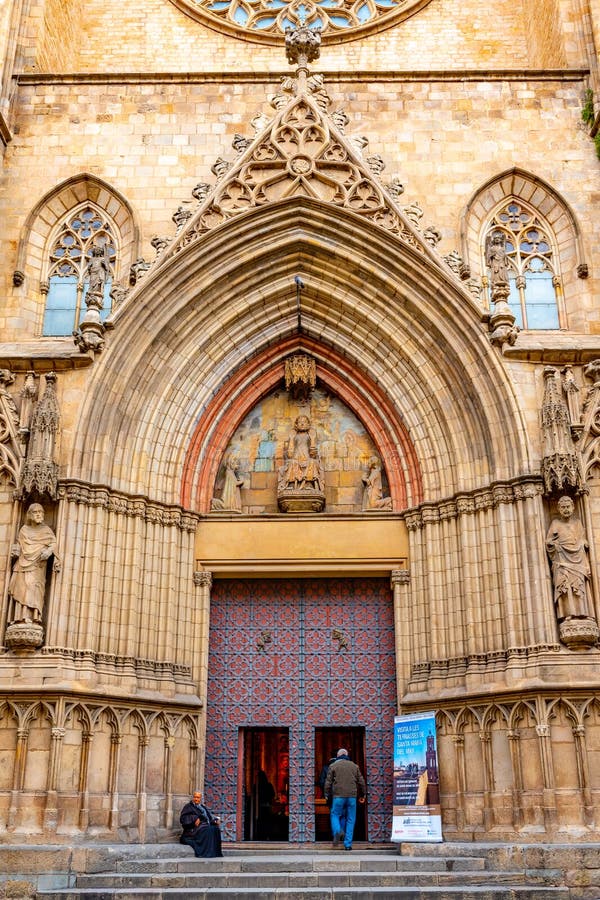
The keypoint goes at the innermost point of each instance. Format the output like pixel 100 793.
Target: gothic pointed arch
pixel 539 206
pixel 375 300
pixel 51 220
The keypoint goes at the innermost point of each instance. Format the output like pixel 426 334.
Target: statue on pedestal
pixel 36 543
pixel 301 483
pixel 567 548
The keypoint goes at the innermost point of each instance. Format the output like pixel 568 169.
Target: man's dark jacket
pixel 344 779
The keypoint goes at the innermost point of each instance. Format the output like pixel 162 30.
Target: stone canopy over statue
pixel 36 543
pixel 568 552
pixel 301 480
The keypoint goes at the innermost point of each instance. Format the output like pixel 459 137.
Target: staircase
pixel 307 872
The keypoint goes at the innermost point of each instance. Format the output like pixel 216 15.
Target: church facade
pixel 299 412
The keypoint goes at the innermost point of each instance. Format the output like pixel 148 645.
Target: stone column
pixel 549 799
pixel 18 778
pixel 461 782
pixel 113 775
pixel 143 742
pixel 517 772
pixel 168 780
pixel 400 581
pixel 201 628
pixel 485 738
pixel 583 775
pixel 84 808
pixel 51 809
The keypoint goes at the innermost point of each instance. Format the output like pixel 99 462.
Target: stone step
pixel 487 892
pixel 295 879
pixel 297 863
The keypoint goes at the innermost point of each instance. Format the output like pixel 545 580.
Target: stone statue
pixel 567 549
pixel 97 272
pixel 36 543
pixel 303 468
pixel 373 493
pixel 496 260
pixel 301 481
pixel 231 494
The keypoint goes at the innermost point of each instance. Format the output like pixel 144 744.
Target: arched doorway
pixel 289 659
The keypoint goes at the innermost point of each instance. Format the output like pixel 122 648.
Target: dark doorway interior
pixel 327 742
pixel 266 765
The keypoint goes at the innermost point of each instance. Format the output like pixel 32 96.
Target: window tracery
pixel 70 254
pixel 266 20
pixel 532 262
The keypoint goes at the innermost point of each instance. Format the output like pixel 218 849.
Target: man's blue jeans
pixel 343 817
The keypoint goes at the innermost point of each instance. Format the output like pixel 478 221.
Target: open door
pixel 327 742
pixel 265 779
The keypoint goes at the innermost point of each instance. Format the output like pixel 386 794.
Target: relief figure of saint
pixel 302 469
pixel 231 493
pixel 373 488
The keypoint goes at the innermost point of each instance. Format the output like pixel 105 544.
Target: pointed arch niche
pixel 354 422
pixel 537 198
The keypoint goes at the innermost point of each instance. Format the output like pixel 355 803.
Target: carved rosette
pixel 579 634
pixel 24 636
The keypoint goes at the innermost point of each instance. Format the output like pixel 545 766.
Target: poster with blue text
pixel 417 814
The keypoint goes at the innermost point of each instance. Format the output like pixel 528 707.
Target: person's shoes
pixel 338 839
pixel 347 848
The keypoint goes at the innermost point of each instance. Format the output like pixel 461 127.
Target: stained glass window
pixel 69 258
pixel 534 278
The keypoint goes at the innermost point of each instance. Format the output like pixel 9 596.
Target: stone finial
pixel 360 142
pixel 414 214
pixel 40 471
pixel 118 293
pixel 201 191
pixel 181 216
pixel 560 464
pixel 340 119
pixel 220 168
pixel 432 235
pixel 137 270
pixel 240 143
pixel 159 243
pixel 458 265
pixel 302 45
pixel 376 164
pixel 396 186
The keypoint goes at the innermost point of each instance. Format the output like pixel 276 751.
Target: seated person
pixel 201 830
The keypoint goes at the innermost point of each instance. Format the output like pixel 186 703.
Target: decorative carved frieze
pixel 159 669
pixel 478 500
pixel 124 504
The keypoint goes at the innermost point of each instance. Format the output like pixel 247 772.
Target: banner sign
pixel 417 813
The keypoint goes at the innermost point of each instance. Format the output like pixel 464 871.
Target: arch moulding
pixel 261 375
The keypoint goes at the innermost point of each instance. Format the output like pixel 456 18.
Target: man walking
pixel 346 785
